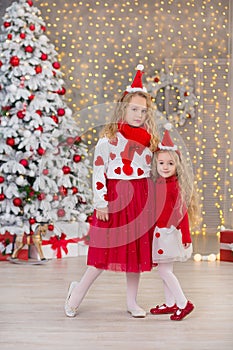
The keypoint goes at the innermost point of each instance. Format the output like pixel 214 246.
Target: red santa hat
pixel 137 82
pixel 167 144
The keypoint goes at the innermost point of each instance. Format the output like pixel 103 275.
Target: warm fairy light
pixel 100 42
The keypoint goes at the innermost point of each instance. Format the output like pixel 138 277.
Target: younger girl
pixel 174 194
pixel 121 230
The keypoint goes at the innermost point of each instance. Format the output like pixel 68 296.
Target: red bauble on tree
pixel 41 151
pixel 60 112
pixel 45 171
pixel 70 140
pixel 10 141
pixel 2 179
pixel 32 27
pixel 14 61
pixel 63 190
pixel 55 118
pixel 62 91
pixel 9 36
pixel 61 213
pixel 17 202
pixel 38 69
pixel 7 24
pixel 56 65
pixel 2 197
pixel 30 3
pixel 22 35
pixel 43 28
pixel 24 162
pixel 44 56
pixel 66 169
pixel 156 79
pixel 77 158
pixel 20 114
pixel 41 196
pixel 50 227
pixel 74 190
pixel 32 221
pixel 29 49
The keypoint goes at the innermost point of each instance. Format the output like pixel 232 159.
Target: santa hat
pixel 167 144
pixel 137 82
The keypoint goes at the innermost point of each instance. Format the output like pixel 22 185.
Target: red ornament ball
pixel 10 141
pixel 9 36
pixel 2 196
pixel 39 112
pixel 32 221
pixel 66 169
pixel 70 140
pixel 22 35
pixel 7 24
pixel 62 91
pixel 14 61
pixel 41 196
pixel 43 28
pixel 24 162
pixel 45 171
pixel 20 114
pixel 1 179
pixel 38 69
pixel 17 202
pixel 55 197
pixel 60 112
pixel 56 65
pixel 31 97
pixel 74 190
pixel 77 158
pixel 1 64
pixel 50 227
pixel 41 151
pixel 156 79
pixel 63 190
pixel 29 49
pixel 40 128
pixel 30 3
pixel 44 56
pixel 32 27
pixel 61 213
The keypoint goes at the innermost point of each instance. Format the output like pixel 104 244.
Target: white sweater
pixel 108 164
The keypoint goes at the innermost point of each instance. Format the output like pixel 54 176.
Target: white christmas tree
pixel 43 161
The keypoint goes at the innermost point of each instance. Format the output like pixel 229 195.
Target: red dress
pixel 124 242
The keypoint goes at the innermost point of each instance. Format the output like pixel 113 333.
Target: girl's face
pixel 136 111
pixel 166 166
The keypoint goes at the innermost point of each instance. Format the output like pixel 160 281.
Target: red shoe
pixel 181 313
pixel 163 309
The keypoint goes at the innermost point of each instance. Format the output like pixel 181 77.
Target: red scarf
pixel 138 139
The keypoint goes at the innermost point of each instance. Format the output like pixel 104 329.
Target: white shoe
pixel 137 312
pixel 70 311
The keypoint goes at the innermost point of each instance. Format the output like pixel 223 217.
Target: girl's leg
pixel 132 280
pixel 82 287
pixel 173 291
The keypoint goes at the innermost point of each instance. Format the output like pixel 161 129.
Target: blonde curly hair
pixel 111 129
pixel 188 190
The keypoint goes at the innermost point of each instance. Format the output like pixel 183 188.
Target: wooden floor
pixel 32 317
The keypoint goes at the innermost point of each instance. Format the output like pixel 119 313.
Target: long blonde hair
pixel 111 129
pixel 188 190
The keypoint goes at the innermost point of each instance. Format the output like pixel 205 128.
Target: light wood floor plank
pixel 32 317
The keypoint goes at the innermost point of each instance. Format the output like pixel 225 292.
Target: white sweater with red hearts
pixel 108 164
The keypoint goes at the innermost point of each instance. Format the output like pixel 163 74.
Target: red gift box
pixel 226 245
pixel 6 245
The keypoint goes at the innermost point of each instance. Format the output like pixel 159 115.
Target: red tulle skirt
pixel 124 242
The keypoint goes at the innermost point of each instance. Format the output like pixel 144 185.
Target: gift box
pixel 226 245
pixel 6 246
pixel 60 246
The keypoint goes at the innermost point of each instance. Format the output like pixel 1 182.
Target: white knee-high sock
pixel 172 286
pixel 83 286
pixel 132 281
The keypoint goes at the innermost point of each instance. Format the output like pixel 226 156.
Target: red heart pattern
pixel 140 171
pixel 117 170
pixel 112 155
pixel 99 161
pixel 99 185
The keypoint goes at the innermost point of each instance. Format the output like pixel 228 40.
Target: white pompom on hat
pixel 137 82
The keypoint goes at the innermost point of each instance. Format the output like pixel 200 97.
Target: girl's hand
pixel 102 214
pixel 186 245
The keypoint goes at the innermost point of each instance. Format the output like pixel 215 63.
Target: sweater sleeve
pixel 184 227
pixel 100 164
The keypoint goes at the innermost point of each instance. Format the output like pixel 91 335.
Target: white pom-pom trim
pixel 168 126
pixel 140 67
